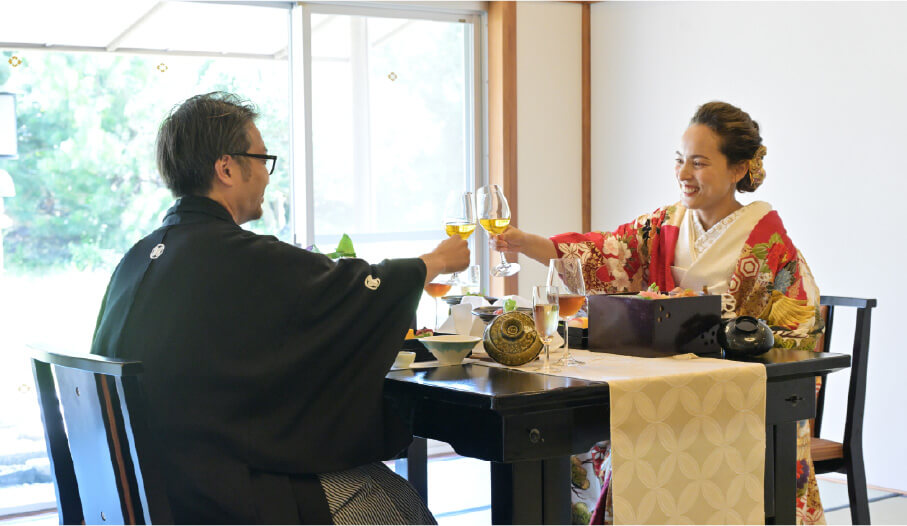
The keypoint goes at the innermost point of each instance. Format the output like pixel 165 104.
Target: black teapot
pixel 745 336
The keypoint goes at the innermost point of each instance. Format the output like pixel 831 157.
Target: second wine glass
pixel 494 216
pixel 459 218
pixel 436 288
pixel 544 314
pixel 567 275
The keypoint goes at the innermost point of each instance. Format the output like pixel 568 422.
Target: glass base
pixel 543 363
pixel 544 368
pixel 502 271
pixel 568 361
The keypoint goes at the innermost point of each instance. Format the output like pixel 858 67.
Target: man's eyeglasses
pixel 270 160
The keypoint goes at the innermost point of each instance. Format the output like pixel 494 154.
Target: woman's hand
pixel 510 240
pixel 514 240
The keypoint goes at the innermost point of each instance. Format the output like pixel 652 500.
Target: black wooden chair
pixel 101 454
pixel 847 456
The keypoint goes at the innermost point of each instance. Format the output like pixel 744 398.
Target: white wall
pixel 549 125
pixel 827 82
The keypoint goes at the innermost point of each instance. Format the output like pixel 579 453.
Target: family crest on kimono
pixel 708 241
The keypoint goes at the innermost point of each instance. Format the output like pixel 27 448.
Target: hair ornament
pixel 756 172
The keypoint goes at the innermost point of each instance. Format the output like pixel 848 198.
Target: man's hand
pixel 451 255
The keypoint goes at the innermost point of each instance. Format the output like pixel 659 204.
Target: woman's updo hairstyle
pixel 739 138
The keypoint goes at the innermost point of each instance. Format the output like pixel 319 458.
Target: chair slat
pixel 90 446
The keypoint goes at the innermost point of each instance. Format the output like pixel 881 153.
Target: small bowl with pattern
pixel 450 349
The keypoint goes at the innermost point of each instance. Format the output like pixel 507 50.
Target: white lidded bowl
pixel 450 349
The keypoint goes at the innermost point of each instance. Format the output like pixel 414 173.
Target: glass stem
pixel 566 341
pixel 504 262
pixel 437 325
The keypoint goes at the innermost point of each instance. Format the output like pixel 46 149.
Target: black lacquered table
pixel 527 425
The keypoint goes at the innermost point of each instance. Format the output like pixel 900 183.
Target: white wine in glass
pixel 459 219
pixel 464 230
pixel 567 275
pixel 544 314
pixel 494 216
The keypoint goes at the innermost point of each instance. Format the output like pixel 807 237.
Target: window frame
pixel 302 210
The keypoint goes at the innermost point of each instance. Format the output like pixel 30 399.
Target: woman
pixel 707 241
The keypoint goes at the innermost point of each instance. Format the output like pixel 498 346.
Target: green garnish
pixel 344 249
pixel 509 304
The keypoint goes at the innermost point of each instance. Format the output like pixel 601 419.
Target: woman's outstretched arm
pixel 534 246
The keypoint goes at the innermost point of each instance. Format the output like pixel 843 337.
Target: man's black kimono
pixel 264 363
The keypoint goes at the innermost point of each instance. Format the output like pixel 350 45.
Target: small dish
pixel 455 299
pixel 404 359
pixel 452 348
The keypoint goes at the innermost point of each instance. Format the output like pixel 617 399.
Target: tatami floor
pixel 459 489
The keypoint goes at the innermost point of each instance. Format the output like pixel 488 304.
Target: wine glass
pixel 459 219
pixel 567 275
pixel 436 288
pixel 544 313
pixel 470 281
pixel 494 216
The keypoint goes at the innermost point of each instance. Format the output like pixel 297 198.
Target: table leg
pixel 415 466
pixel 769 474
pixel 516 491
pixel 556 491
pixel 531 492
pixel 785 473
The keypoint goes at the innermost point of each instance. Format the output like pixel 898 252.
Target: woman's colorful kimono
pixel 748 259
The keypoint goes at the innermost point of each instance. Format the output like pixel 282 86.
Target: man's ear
pixel 224 167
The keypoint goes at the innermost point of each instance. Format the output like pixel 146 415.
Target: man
pixel 264 363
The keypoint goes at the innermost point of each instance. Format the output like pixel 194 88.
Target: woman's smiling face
pixel 707 183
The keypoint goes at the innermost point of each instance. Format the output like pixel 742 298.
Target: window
pixel 87 188
pixel 389 128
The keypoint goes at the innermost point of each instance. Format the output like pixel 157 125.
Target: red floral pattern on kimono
pixel 630 258
pixel 771 281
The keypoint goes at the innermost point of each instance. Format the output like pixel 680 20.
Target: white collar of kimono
pixel 707 258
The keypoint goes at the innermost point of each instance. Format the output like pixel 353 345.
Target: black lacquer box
pixel 579 338
pixel 669 326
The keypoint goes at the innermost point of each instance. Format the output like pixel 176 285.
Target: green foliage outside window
pixel 86 183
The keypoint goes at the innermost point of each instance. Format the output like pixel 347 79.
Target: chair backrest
pixel 100 453
pixel 856 394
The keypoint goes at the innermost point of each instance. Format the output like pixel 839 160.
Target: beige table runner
pixel 687 437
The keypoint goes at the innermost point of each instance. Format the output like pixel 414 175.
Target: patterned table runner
pixel 687 437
